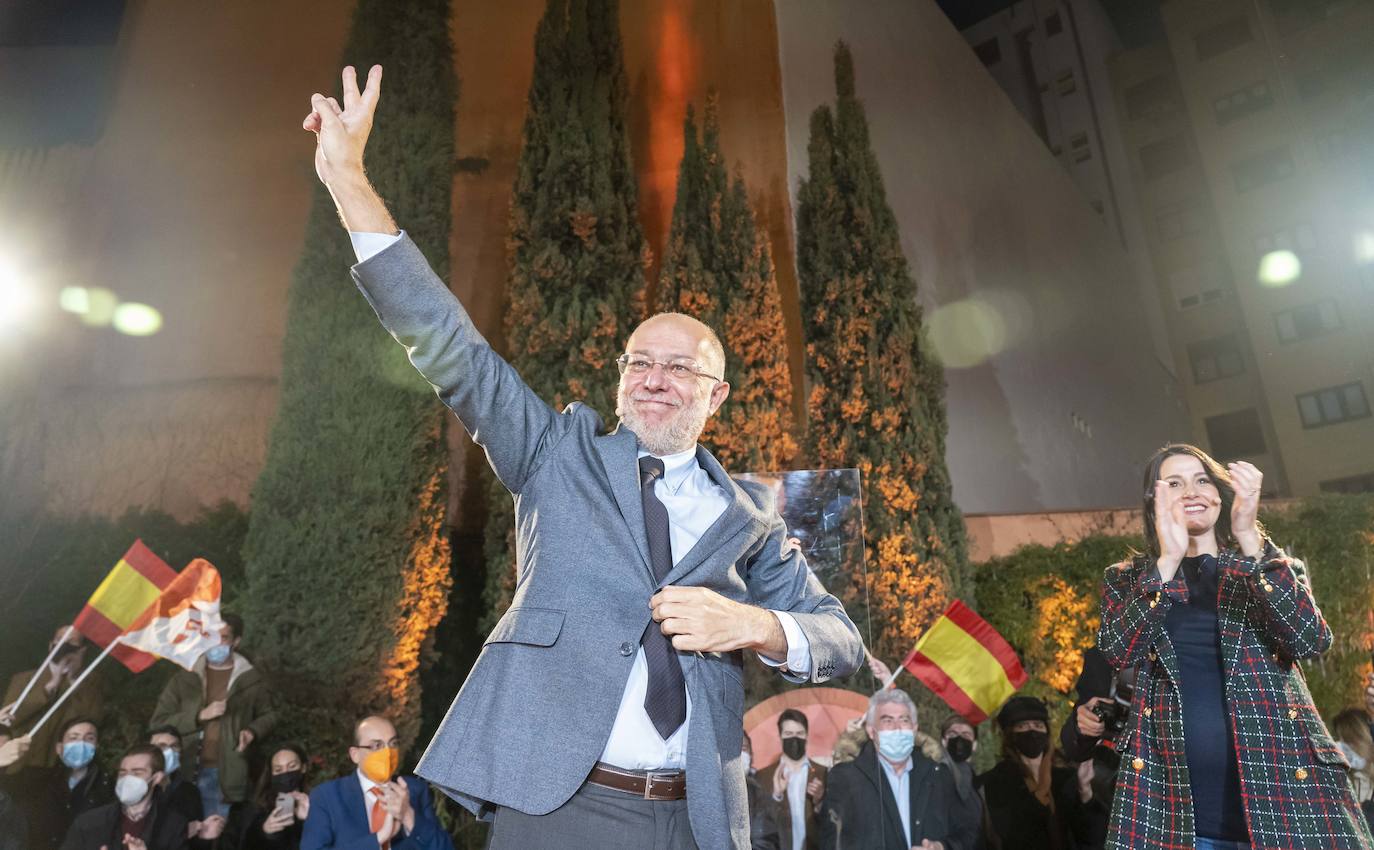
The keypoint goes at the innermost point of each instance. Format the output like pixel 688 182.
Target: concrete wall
pixel 1065 412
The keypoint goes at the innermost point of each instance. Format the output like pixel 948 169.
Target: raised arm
pixel 500 412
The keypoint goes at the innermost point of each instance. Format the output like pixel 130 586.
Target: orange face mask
pixel 380 765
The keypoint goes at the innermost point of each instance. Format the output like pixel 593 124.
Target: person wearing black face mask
pixel 796 783
pixel 960 741
pixel 1030 803
pixel 281 805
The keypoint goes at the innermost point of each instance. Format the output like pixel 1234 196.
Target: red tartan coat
pixel 1293 780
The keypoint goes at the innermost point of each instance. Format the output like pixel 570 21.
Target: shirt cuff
pixel 798 647
pixel 369 245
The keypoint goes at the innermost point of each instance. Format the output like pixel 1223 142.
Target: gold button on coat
pixel 1301 773
pixel 1147 712
pixel 1138 764
pixel 1293 713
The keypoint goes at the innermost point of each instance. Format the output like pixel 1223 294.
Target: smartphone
pixel 286 805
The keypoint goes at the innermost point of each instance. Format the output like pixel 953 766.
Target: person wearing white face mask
pixel 140 818
pixel 891 796
pixel 220 709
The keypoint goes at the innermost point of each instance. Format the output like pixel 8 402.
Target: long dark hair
pixel 266 797
pixel 1225 488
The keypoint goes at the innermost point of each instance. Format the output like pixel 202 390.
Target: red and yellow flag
pixel 966 663
pixel 131 588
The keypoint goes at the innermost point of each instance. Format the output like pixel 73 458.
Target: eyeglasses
pixel 378 744
pixel 678 371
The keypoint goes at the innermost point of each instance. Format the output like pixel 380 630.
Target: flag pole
pixel 79 679
pixel 37 674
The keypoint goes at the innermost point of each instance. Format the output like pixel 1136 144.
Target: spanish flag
pixel 131 588
pixel 966 663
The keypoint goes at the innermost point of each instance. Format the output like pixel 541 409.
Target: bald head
pixel 682 333
pixel 373 728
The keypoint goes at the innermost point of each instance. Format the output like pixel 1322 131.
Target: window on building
pixel 1235 435
pixel 1298 237
pixel 1263 169
pixel 1079 148
pixel 1165 157
pixel 1332 405
pixel 1225 36
pixel 1353 484
pixel 1152 99
pixel 1065 83
pixel 988 52
pixel 1179 220
pixel 1307 321
pixel 1194 286
pixel 1054 25
pixel 1244 101
pixel 1214 359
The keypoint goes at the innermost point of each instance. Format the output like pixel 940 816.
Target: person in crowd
pixel 1217 617
pixel 53 681
pixel 892 796
pixel 1351 729
pixel 14 826
pixel 178 790
pixel 373 804
pixel 1081 740
pixel 633 541
pixel 763 829
pixel 1031 803
pixel 276 817
pixel 139 819
pixel 794 783
pixel 959 742
pixel 55 797
pixel 224 705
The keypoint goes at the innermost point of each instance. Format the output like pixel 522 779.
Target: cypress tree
pixel 576 249
pixel 875 393
pixel 347 561
pixel 717 268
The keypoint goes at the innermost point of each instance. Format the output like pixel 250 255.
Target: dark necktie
pixel 665 700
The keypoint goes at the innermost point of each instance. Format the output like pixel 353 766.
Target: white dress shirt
pixel 901 789
pixel 693 502
pixel 797 801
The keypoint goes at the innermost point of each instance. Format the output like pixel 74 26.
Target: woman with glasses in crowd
pixel 1224 749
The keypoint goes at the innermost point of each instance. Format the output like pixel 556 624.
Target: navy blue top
pixel 1208 739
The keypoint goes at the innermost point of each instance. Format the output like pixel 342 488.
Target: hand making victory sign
pixel 341 136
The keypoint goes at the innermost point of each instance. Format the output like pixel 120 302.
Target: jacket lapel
pixel 619 450
pixel 736 515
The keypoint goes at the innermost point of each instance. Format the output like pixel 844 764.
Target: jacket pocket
pixel 531 626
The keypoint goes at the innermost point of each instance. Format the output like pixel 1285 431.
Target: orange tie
pixel 378 813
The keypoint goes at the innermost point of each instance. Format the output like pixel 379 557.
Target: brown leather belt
pixel 648 784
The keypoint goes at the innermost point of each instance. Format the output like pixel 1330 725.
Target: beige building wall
pixel 1273 96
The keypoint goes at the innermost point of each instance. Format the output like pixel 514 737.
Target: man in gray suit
pixel 604 710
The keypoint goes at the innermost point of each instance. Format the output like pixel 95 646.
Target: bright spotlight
pixel 1279 268
pixel 18 301
pixel 137 319
pixel 966 333
pixel 74 299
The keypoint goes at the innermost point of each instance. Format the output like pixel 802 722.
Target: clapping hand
pixel 396 798
pixel 1247 481
pixel 1171 531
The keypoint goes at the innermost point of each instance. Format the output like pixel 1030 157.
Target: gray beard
pixel 678 434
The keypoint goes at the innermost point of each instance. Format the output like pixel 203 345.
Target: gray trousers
pixel 596 818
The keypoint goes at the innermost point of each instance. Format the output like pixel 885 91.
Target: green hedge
pixel 1044 599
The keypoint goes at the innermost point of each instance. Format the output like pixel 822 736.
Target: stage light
pixel 137 319
pixel 100 307
pixel 75 299
pixel 1279 268
pixel 18 300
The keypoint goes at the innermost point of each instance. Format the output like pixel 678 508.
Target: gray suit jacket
pixel 536 710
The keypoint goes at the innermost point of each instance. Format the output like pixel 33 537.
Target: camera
pixel 1117 709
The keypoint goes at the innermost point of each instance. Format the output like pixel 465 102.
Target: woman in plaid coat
pixel 1224 747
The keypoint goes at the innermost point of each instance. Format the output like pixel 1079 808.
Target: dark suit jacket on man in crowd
pixel 339 819
pixel 781 810
pixel 52 807
pixel 859 811
pixel 100 828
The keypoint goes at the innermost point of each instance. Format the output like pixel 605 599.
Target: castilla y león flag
pixel 966 663
pixel 185 619
pixel 130 589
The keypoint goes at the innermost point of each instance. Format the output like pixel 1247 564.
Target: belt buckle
pixel 649 778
